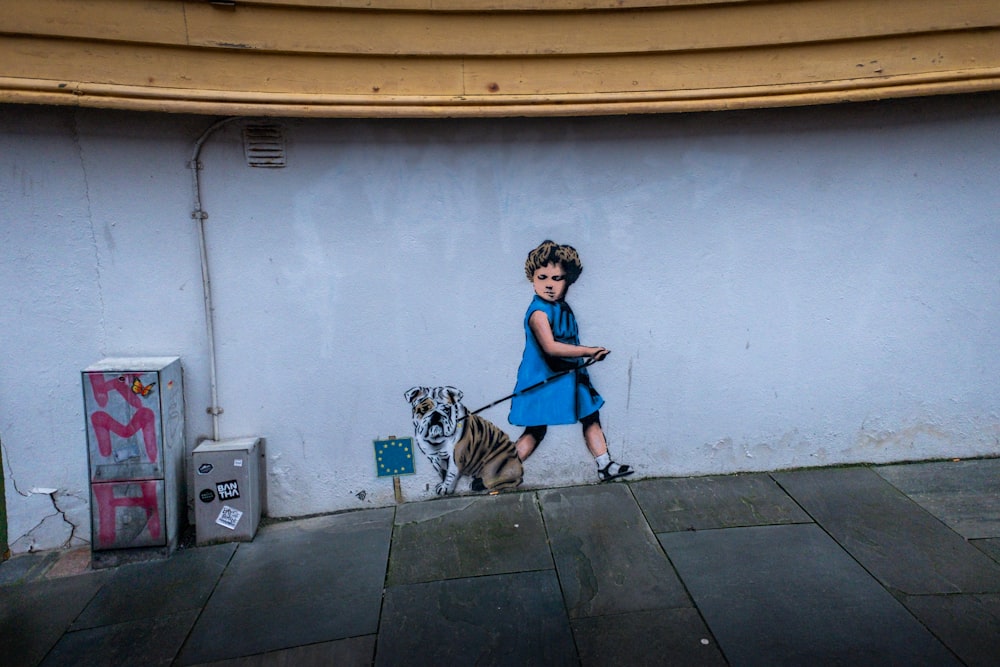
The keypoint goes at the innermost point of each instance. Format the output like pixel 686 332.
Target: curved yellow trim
pixel 490 58
pixel 321 105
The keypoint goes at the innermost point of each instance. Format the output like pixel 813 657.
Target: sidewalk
pixel 867 565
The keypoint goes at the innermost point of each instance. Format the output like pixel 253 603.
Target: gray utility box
pixel 227 492
pixel 135 439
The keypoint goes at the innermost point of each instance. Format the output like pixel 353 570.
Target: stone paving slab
pixel 508 619
pixel 585 574
pixel 704 503
pixel 26 567
pixel 899 542
pixel 607 558
pixel 297 583
pixel 968 624
pixel 34 615
pixel 789 595
pixel 180 583
pixel 71 562
pixel 151 642
pixel 658 638
pixel 963 494
pixel 353 652
pixel 468 536
pixel 989 547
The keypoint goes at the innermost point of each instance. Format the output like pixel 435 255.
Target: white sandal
pixel 606 475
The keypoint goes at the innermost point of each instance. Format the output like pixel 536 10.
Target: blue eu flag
pixel 394 457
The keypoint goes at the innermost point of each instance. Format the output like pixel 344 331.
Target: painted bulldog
pixel 457 443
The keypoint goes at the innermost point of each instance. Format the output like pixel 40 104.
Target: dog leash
pixel 532 387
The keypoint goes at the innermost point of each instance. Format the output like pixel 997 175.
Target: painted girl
pixel 552 346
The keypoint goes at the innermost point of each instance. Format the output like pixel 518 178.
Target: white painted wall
pixel 779 288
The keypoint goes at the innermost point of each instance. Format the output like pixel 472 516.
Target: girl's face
pixel 549 282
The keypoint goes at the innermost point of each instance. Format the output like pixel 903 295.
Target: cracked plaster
pixel 65 526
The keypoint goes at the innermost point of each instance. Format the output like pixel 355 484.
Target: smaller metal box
pixel 227 490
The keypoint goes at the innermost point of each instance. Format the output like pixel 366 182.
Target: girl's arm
pixel 540 327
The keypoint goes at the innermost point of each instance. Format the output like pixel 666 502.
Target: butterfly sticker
pixel 142 389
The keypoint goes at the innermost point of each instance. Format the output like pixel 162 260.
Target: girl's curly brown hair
pixel 550 252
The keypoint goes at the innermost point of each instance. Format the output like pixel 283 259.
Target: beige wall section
pixel 465 57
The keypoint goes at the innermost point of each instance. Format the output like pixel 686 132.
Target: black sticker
pixel 228 490
pixel 207 495
pixel 205 468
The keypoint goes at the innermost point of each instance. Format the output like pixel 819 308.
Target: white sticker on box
pixel 238 463
pixel 229 517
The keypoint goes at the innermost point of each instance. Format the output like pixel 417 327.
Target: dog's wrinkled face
pixel 436 412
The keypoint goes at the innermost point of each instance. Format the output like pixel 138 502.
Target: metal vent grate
pixel 264 146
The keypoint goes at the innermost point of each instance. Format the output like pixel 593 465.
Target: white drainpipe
pixel 206 285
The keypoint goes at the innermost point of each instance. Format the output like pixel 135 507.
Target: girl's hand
pixel 599 353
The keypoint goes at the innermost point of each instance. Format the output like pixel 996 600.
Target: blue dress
pixel 562 401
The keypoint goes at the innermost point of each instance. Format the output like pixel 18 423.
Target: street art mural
pixel 459 443
pixel 553 387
